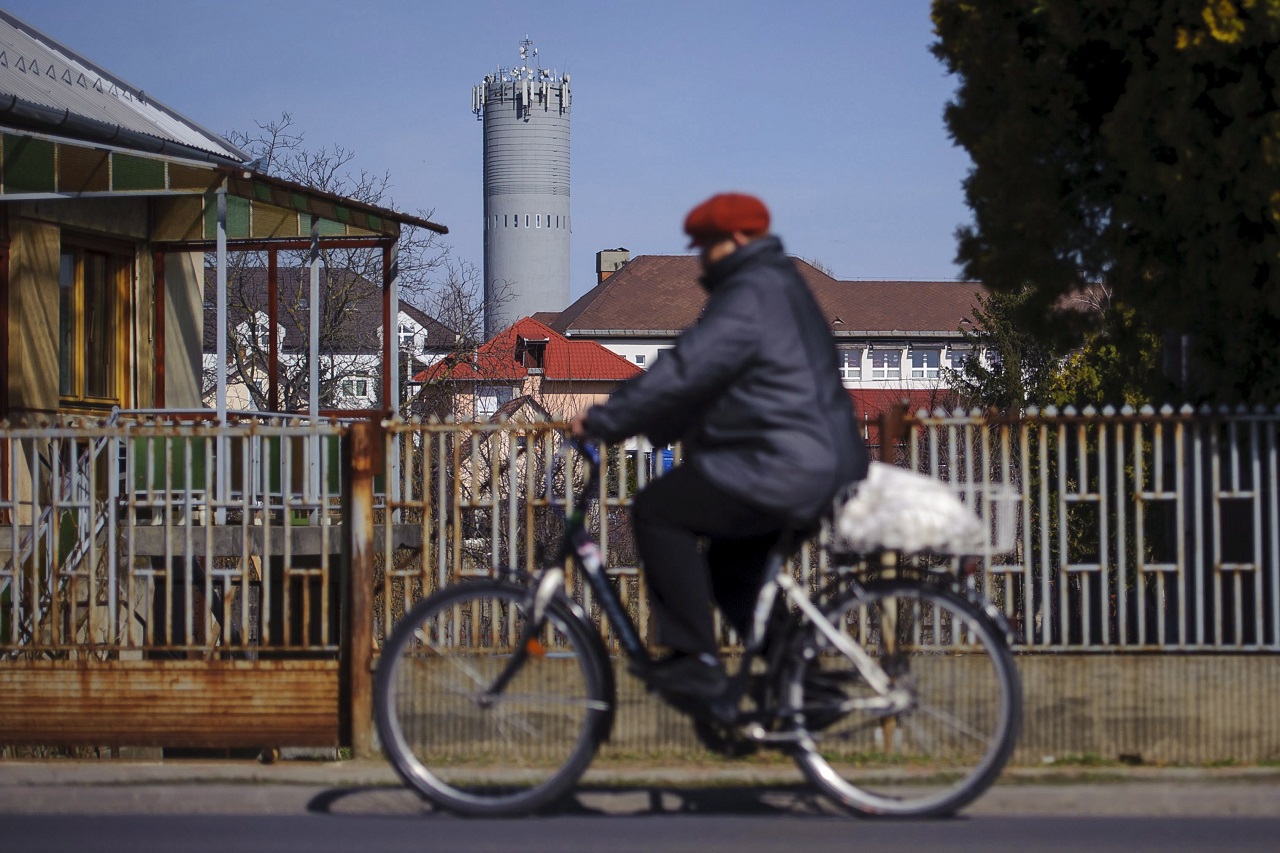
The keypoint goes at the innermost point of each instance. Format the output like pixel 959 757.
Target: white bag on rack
pixel 899 510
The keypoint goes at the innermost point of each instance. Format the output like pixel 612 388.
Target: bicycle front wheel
pixel 471 751
pixel 959 728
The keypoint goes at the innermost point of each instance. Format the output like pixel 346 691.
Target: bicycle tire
pixel 963 723
pixel 515 754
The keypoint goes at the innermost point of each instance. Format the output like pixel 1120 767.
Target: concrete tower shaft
pixel 525 111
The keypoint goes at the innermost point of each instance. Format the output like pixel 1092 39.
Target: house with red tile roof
pixel 894 337
pixel 527 371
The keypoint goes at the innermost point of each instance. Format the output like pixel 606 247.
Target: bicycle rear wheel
pixel 473 754
pixel 960 728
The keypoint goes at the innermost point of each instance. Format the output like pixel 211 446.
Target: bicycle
pixel 894 690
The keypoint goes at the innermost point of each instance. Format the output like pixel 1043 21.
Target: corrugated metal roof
pixel 38 70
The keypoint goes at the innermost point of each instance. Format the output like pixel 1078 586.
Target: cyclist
pixel 753 391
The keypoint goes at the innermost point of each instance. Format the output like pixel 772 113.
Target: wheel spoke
pixel 954 722
pixel 943 752
pixel 540 699
pixel 435 716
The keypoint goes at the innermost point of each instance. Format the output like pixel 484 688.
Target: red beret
pixel 723 214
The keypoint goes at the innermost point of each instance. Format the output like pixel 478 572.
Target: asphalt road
pixel 678 832
pixel 189 817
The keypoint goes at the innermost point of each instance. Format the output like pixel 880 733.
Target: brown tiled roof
pixel 660 293
pixel 905 306
pixel 650 293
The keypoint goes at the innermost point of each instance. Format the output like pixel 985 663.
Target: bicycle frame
pixel 580 547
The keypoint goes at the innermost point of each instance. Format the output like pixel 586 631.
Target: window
pixel 886 364
pixel 93 345
pixel 958 357
pixel 517 221
pixel 640 361
pixel 504 220
pixel 489 397
pixel 355 387
pixel 850 364
pixel 526 220
pixel 924 363
pixel 405 334
pixel 531 353
pixel 538 220
pixel 261 333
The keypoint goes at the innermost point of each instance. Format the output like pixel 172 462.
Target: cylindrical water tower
pixel 525 111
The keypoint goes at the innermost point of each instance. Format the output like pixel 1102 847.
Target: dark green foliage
pixel 1134 143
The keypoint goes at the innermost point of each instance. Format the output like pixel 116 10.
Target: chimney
pixel 609 262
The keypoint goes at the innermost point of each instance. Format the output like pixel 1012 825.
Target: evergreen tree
pixel 1131 144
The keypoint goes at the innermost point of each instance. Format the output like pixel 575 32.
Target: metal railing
pixel 1135 529
pixel 169 537
pixel 1130 530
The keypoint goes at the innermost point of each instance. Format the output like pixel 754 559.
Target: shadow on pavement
pixel 590 801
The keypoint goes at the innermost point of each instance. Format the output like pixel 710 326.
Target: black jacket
pixel 753 388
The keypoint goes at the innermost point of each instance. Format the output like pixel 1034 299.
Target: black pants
pixel 670 516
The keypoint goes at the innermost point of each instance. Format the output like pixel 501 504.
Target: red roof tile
pixel 498 360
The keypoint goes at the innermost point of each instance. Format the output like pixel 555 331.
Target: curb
pixel 377 773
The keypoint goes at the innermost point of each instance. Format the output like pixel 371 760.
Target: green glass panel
pixel 343 214
pixel 28 165
pixel 168 463
pixel 332 229
pixel 136 173
pixel 237 217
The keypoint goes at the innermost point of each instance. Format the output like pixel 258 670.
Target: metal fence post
pixel 362 453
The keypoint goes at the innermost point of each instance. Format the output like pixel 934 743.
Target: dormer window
pixel 531 353
pixel 262 334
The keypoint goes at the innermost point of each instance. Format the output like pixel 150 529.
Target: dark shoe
pixel 824 693
pixel 694 676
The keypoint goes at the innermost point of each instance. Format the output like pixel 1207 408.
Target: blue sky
pixel 830 110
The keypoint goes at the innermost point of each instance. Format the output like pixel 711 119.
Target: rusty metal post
pixel 361 458
pixel 893 424
pixel 893 428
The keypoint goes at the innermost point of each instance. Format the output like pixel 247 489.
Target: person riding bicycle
pixel 753 392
